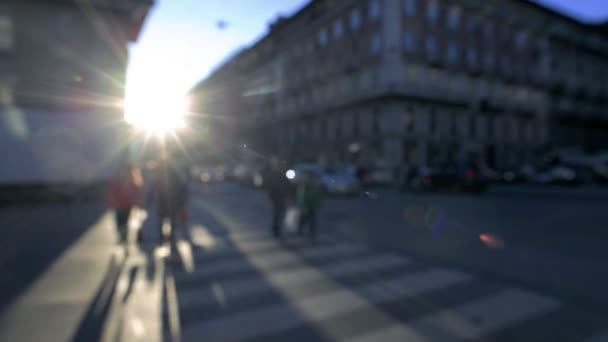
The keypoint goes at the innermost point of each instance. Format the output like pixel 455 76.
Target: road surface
pixel 504 266
pixel 391 266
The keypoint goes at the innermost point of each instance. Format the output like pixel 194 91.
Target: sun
pixel 157 113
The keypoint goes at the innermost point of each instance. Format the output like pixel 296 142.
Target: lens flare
pixel 492 241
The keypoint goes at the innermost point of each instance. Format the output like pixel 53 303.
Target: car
pixel 452 176
pixel 209 174
pixel 556 175
pixel 378 176
pixel 334 181
pixel 340 182
pixel 589 169
pixel 243 173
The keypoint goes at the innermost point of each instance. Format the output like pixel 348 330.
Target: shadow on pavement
pixel 92 324
pixel 222 306
pixel 33 238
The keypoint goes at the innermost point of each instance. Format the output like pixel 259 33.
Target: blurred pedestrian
pixel 123 193
pixel 277 188
pixel 308 198
pixel 172 198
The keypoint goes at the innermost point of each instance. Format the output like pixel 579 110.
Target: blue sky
pixel 181 41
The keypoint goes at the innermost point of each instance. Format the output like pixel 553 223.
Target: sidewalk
pixel 92 291
pixel 52 308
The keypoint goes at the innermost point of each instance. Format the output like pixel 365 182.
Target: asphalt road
pixel 503 266
pixel 552 242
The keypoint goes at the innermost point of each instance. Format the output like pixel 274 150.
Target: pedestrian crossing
pixel 253 287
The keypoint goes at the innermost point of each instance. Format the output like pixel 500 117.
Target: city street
pixel 512 264
pixel 391 266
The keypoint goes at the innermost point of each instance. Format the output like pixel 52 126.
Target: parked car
pixel 243 173
pixel 589 169
pixel 208 174
pixel 600 172
pixel 557 175
pixel 379 175
pixel 453 176
pixel 334 181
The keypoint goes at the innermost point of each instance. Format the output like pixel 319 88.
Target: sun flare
pixel 157 114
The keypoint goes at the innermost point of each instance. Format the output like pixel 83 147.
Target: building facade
pixel 67 54
pixel 62 75
pixel 416 82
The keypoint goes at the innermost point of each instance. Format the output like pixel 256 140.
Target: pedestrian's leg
pixel 302 221
pixel 312 222
pixel 278 208
pixel 175 226
pixel 161 226
pixel 122 220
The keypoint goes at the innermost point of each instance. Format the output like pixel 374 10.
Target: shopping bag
pixel 292 220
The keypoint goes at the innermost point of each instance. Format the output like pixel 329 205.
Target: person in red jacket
pixel 123 193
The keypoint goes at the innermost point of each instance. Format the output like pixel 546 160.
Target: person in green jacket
pixel 308 199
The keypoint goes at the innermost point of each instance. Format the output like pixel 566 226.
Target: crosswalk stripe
pixel 299 310
pixel 469 321
pixel 272 260
pixel 222 247
pixel 287 278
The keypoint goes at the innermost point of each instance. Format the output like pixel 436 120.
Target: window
pixel 452 52
pixel 408 119
pixel 338 127
pixel 454 17
pixel 376 43
pixel 473 126
pixel 505 65
pixel 431 46
pixel 490 127
pixel 409 41
pixel 472 56
pixel 322 37
pixel 521 40
pixel 488 31
pixel 489 61
pixel 374 9
pixel 506 128
pixel 453 125
pixel 355 19
pixel 432 11
pixel 310 46
pixel 410 7
pixel 338 29
pixel 505 34
pixel 376 122
pixel 433 122
pixel 6 33
pixel 472 25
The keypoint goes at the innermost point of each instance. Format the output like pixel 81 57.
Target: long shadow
pixel 208 285
pixel 92 323
pixel 44 233
pixel 110 300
